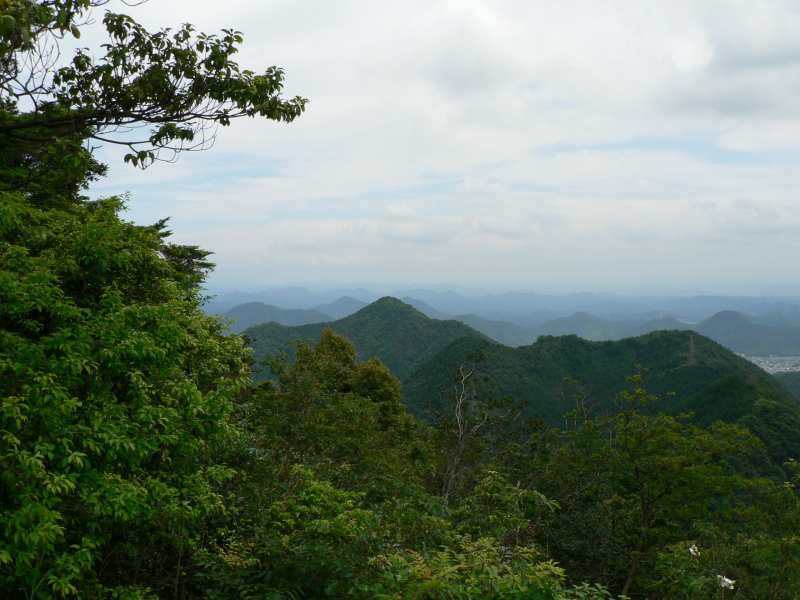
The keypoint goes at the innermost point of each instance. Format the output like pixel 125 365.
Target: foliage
pixel 177 83
pixel 633 487
pixel 688 373
pixel 138 460
pixel 114 389
pixel 468 569
pixel 791 381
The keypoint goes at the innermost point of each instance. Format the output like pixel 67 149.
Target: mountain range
pixel 688 371
pixel 774 334
pixel 253 313
pixel 525 308
pixel 399 335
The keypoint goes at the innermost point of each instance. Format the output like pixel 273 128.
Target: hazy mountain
pixel 519 307
pixel 734 330
pixel 426 309
pixel 741 333
pixel 589 327
pixel 690 373
pixel 778 315
pixel 660 324
pixel 285 297
pixel 253 313
pixel 398 334
pixel 341 307
pixel 510 334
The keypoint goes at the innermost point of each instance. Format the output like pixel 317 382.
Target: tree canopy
pixel 154 92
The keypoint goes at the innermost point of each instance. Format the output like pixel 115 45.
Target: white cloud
pixel 525 144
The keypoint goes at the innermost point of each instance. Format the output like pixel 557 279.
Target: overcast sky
pixel 556 146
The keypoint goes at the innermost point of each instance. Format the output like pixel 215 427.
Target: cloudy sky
pixel 557 146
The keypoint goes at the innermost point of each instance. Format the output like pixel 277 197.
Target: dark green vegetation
pixel 791 381
pixel 253 313
pixel 139 461
pixel 399 335
pixel 690 372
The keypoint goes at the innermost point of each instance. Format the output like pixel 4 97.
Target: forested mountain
pixel 741 333
pixel 734 330
pixel 253 313
pixel 339 308
pixel 399 335
pixel 689 372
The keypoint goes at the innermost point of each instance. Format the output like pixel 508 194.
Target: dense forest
pixel 140 459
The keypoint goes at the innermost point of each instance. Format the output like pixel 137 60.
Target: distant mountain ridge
pixel 505 332
pixel 734 330
pixel 252 313
pixel 742 333
pixel 690 372
pixel 341 307
pixel 388 329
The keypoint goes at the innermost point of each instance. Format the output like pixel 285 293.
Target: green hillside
pixel 399 335
pixel 689 372
pixel 253 313
pixel 791 381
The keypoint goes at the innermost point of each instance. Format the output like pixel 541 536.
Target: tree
pixel 115 389
pixel 178 84
pixel 631 484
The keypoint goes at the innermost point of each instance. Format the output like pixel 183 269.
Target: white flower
pixel 694 550
pixel 725 583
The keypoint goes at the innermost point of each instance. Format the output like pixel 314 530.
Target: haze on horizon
pixel 633 147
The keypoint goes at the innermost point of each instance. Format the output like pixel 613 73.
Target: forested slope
pixel 399 335
pixel 689 372
pixel 791 381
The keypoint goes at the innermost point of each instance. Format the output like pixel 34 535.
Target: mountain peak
pixel 389 305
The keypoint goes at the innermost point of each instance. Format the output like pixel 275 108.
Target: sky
pixel 630 147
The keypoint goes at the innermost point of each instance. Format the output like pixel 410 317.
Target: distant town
pixel 776 364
